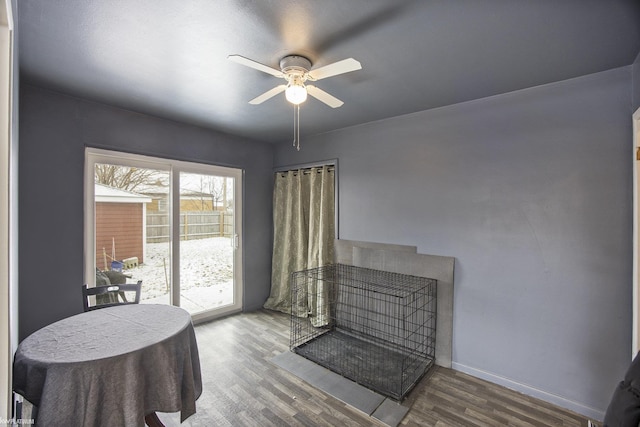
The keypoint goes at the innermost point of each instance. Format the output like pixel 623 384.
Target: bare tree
pixel 212 186
pixel 128 178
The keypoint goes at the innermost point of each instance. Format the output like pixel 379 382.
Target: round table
pixel 111 366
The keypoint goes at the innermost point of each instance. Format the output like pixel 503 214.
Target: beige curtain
pixel 304 231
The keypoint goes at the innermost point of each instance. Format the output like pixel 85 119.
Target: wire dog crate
pixel 374 327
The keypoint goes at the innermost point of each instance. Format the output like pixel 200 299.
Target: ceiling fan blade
pixel 323 96
pixel 268 95
pixel 340 67
pixel 256 65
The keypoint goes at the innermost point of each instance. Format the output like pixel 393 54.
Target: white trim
pixel 89 222
pixel 174 221
pixel 8 234
pixel 563 402
pixel 635 339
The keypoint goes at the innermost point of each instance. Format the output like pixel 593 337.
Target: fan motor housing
pixel 295 64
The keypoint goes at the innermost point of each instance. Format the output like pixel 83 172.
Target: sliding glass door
pixel 207 241
pixel 173 225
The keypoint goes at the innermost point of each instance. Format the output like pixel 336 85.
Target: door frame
pixel 635 339
pixel 8 213
pixel 174 167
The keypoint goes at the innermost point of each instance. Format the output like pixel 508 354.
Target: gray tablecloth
pixel 111 367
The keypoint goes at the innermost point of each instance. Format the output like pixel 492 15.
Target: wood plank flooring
pixel 243 388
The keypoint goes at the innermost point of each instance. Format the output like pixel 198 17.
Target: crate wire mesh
pixel 374 327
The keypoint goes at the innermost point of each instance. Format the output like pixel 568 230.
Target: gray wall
pixel 531 192
pixel 636 83
pixel 54 130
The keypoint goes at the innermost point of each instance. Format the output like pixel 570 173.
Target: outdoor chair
pixel 110 295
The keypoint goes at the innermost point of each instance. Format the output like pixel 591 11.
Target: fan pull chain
pixel 296 126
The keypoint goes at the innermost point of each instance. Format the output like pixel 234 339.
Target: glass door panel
pixel 132 229
pixel 207 242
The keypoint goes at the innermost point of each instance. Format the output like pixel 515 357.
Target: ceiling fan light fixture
pixel 296 93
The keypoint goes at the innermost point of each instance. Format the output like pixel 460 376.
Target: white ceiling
pixel 168 58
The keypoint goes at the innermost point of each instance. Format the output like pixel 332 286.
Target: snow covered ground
pixel 206 273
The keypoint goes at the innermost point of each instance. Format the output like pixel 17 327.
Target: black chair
pixel 624 407
pixel 110 295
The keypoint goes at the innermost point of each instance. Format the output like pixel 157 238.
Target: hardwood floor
pixel 243 388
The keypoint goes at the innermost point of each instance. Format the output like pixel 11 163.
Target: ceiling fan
pixel 296 70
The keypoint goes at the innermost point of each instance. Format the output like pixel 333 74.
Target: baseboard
pixel 531 391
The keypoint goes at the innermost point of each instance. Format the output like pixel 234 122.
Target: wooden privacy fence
pixel 193 225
